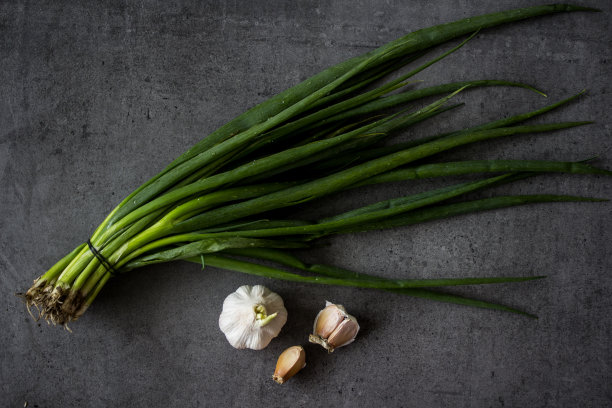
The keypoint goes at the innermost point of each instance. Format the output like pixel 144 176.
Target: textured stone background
pixel 96 98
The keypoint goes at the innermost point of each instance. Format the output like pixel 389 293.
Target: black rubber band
pixel 101 258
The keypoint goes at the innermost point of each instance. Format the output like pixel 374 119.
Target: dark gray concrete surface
pixel 96 97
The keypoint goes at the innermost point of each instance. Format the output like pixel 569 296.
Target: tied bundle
pixel 221 202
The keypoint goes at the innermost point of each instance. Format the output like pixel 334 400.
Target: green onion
pixel 319 138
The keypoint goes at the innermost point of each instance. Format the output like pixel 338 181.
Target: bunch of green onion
pixel 217 203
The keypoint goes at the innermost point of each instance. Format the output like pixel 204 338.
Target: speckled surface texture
pixel 96 97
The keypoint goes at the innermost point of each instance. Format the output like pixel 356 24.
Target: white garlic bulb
pixel 252 316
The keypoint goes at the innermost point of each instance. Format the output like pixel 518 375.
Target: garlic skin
pixel 289 363
pixel 252 316
pixel 334 328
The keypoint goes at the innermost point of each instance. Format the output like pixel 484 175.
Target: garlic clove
pixel 289 363
pixel 327 320
pixel 334 327
pixel 345 333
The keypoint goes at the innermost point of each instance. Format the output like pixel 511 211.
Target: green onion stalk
pixel 219 204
